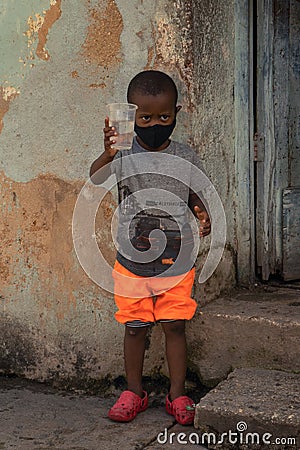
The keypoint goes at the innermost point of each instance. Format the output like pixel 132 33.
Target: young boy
pixel 155 297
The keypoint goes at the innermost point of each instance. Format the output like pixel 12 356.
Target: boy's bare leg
pixel 176 356
pixel 134 350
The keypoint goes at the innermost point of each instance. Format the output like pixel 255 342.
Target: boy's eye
pixel 163 118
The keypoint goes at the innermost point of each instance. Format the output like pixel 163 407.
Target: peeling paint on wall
pixel 34 25
pixel 6 95
pixel 37 242
pixel 36 232
pixel 102 45
pixel 174 43
pixel 38 29
pixel 172 47
pixel 51 16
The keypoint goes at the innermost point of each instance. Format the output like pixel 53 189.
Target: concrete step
pixel 250 328
pixel 252 409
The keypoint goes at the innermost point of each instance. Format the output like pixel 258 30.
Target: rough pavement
pixel 35 416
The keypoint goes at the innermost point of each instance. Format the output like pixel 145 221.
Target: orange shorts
pixel 160 299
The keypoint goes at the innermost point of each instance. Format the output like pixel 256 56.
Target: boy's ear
pixel 178 108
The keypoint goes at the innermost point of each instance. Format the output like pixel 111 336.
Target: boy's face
pixel 154 110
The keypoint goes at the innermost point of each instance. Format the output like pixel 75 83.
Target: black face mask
pixel 156 135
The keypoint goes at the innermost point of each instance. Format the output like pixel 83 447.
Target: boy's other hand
pixel 203 217
pixel 109 134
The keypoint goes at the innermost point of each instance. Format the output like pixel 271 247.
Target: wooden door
pixel 277 126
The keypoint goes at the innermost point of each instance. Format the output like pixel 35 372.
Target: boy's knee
pixel 131 331
pixel 136 331
pixel 177 327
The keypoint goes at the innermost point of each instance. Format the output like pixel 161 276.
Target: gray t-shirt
pixel 154 223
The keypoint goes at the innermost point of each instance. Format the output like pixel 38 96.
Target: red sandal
pixel 128 406
pixel 182 408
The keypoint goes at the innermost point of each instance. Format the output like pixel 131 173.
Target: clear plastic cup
pixel 122 117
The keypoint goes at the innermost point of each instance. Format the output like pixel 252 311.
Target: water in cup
pixel 122 117
pixel 124 129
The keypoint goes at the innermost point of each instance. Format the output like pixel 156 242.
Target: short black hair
pixel 151 82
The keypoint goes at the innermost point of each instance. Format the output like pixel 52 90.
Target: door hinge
pixel 258 146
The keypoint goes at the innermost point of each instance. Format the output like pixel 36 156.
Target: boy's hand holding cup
pixel 109 138
pixel 119 127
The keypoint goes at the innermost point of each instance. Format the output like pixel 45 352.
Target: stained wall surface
pixel 61 62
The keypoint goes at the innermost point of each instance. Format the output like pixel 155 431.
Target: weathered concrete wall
pixel 213 127
pixel 61 62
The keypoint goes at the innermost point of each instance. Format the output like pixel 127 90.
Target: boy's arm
pixel 97 176
pixel 200 211
pixel 106 157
